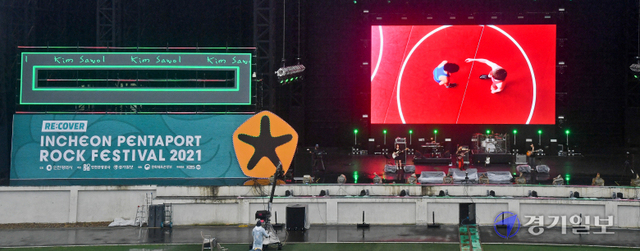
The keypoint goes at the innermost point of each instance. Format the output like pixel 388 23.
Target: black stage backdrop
pixel 597 40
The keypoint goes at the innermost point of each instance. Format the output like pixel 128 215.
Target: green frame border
pixel 24 58
pixel 74 67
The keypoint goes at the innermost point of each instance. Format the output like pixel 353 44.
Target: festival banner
pixel 124 147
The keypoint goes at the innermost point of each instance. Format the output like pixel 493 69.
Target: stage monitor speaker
pixel 297 216
pixel 302 163
pixel 410 168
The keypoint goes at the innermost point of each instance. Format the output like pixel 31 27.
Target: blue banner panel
pixel 125 149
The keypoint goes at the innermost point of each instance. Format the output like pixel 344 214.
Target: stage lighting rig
pixel 288 74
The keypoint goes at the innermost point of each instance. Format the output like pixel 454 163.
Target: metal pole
pixel 540 139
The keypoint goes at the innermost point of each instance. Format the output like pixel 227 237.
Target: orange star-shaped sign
pixel 262 142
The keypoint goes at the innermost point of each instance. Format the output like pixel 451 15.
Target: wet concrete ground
pixel 316 234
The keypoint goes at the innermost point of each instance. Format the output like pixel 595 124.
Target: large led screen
pixel 463 74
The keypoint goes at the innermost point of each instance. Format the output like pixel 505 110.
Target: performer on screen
pixel 442 73
pixel 497 75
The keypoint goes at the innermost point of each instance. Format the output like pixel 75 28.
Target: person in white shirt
pixel 258 234
pixel 497 74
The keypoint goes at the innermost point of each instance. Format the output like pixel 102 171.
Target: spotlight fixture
pixel 573 194
pixel 290 73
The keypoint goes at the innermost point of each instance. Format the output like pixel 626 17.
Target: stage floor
pixel 576 170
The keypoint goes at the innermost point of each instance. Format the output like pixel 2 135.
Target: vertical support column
pixel 107 22
pixel 611 208
pixel 422 216
pixel 244 214
pixel 332 212
pixel 73 204
pixel 265 42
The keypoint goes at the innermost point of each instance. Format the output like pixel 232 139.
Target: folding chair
pixel 208 242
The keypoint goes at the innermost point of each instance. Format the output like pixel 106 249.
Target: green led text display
pixel 151 78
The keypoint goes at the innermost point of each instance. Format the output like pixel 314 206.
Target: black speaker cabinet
pixel 156 215
pixel 152 216
pixel 159 215
pixel 297 217
pixel 302 163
